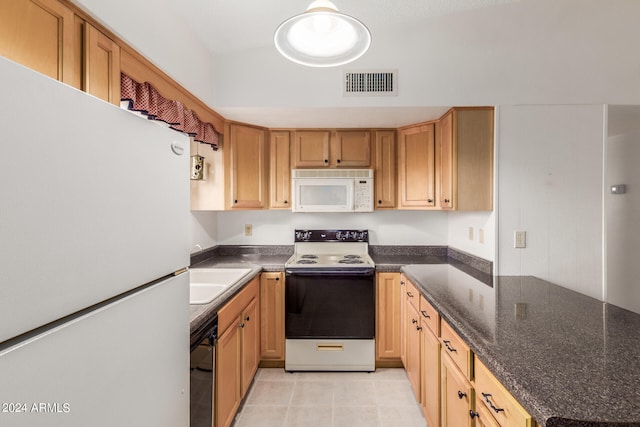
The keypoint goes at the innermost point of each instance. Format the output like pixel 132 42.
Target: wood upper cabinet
pixel 311 148
pixel 384 169
pixel 101 65
pixel 246 168
pixel 465 159
pixel 40 34
pixel 416 164
pixel 388 295
pixel 331 149
pixel 272 316
pixel 280 170
pixel 351 149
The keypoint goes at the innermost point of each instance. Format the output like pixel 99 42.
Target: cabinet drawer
pixel 430 316
pixel 459 352
pixel 483 416
pixel 498 401
pixel 412 294
pixel 232 310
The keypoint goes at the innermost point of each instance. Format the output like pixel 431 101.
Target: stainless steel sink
pixel 207 283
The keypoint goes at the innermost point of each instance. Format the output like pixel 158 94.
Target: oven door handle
pixel 334 272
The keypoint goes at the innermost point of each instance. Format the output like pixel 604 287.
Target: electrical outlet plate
pixel 470 233
pixel 519 239
pixel 248 229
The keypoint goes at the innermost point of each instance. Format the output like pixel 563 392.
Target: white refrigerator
pixel 94 242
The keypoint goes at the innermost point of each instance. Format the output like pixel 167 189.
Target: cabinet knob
pixel 326 160
pixel 379 202
pixel 235 201
pixel 338 160
pixel 277 278
pixel 447 200
pixel 473 414
pixel 418 328
pixel 241 325
pixel 461 395
pixel 247 318
pixel 429 200
pixel 402 282
pixel 285 202
pixel 414 321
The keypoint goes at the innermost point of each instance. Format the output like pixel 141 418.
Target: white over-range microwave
pixel 332 190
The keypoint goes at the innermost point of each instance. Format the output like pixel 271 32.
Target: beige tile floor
pixel 330 399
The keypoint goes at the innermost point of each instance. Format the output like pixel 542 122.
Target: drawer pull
pixel 424 313
pixel 409 294
pixel 446 344
pixel 461 395
pixel 473 414
pixel 490 403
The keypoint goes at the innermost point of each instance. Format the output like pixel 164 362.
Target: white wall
pixel 387 227
pixel 458 233
pixel 524 52
pixel 204 230
pixel 550 182
pixel 622 211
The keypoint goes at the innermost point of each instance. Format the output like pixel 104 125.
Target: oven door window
pixel 335 305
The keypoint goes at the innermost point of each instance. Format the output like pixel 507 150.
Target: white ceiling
pixel 239 26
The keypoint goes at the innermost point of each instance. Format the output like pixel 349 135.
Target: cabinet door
pixel 351 149
pixel 279 170
pixel 473 154
pixel 247 168
pixel 385 170
pixel 403 323
pixel 444 152
pixel 416 165
pixel 272 316
pixel 388 316
pixel 311 149
pixel 413 331
pixel 39 34
pixel 250 326
pixel 430 387
pixel 457 395
pixel 228 375
pixel 101 65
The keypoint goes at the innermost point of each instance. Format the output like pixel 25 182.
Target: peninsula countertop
pixel 569 359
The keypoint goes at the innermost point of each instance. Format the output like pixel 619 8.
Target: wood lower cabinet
pixel 245 168
pixel 403 323
pixel 430 363
pixel 494 403
pixel 457 395
pixel 272 316
pixel 238 351
pixel 413 335
pixel 280 170
pixel 416 167
pixel 388 318
pixel 384 170
pixel 465 159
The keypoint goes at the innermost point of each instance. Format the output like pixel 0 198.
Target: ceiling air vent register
pixel 370 83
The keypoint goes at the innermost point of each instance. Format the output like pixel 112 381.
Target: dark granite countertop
pixel 569 359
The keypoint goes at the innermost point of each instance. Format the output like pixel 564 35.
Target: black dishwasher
pixel 202 377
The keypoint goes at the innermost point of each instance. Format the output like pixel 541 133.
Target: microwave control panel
pixel 363 195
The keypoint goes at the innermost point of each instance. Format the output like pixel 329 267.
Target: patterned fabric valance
pixel 145 99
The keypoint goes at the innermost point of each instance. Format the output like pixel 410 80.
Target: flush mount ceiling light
pixel 322 37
